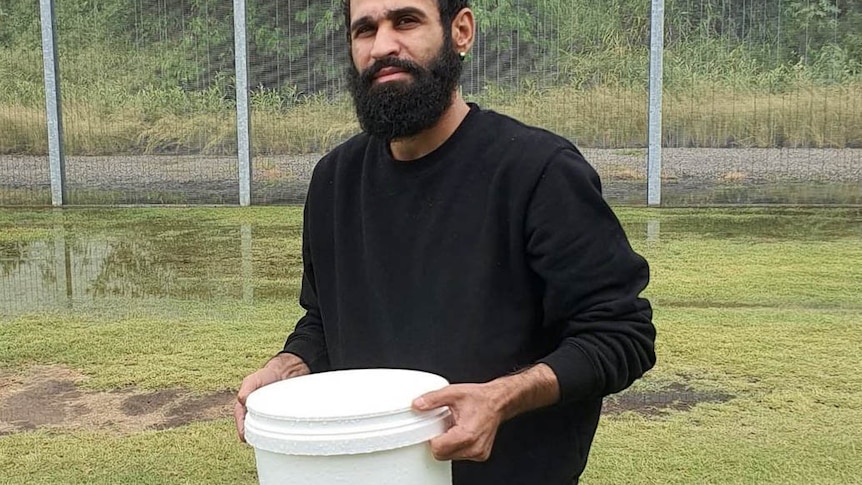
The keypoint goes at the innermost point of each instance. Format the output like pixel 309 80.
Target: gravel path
pixel 202 179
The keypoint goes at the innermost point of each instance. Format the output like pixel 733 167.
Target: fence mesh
pixel 762 99
pixel 762 102
pixel 147 106
pixel 24 174
pixel 527 61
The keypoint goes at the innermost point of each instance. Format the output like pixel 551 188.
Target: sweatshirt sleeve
pixel 308 340
pixel 592 281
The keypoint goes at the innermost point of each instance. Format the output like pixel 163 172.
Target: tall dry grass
pixel 705 116
pixel 601 117
pixel 113 103
pixel 819 117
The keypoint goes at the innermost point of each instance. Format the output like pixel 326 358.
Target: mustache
pixel 368 74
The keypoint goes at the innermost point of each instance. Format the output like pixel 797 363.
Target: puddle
pixel 167 257
pixel 162 260
pixel 51 397
pixel 674 397
pixel 696 191
pixel 790 224
pixel 692 192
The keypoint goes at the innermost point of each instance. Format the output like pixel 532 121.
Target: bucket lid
pixel 344 412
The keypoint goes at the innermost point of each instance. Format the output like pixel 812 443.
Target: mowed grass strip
pixel 795 415
pixel 163 344
pixel 781 274
pixel 194 454
pixel 758 305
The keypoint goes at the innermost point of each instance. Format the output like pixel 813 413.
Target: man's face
pixel 404 66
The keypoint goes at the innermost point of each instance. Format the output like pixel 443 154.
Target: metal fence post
pixel 52 103
pixel 243 120
pixel 655 102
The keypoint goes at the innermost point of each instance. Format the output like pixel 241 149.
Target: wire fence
pixel 24 172
pixel 762 99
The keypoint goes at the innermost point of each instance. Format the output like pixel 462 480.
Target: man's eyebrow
pixel 390 14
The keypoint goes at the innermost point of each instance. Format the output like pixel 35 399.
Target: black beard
pixel 399 109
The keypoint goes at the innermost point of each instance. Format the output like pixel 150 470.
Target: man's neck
pixel 421 144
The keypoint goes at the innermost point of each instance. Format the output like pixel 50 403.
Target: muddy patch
pixel 674 397
pixel 52 397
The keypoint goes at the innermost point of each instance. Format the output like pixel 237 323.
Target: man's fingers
pixel 450 444
pixel 254 382
pixel 239 418
pixel 435 399
pixel 249 385
pixel 459 445
pixel 242 394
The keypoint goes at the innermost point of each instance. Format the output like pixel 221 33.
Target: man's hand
pixel 477 414
pixel 282 366
pixel 479 409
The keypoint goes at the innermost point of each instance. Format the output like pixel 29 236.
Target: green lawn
pixel 758 305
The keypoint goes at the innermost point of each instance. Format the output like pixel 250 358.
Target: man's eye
pixel 362 31
pixel 406 21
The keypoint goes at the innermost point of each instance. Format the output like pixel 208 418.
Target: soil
pixel 52 397
pixel 677 397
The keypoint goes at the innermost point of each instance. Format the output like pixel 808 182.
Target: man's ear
pixel 463 30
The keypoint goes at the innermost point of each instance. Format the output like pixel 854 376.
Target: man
pixel 455 240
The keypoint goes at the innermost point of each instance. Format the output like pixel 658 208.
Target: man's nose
pixel 386 44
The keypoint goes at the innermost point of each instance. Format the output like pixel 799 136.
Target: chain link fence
pixel 763 102
pixel 24 173
pixel 762 99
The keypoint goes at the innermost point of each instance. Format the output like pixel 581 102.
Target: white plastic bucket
pixel 347 427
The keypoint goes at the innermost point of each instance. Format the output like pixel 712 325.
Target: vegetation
pixel 758 305
pixel 155 77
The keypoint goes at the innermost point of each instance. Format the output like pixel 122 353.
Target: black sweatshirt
pixel 494 252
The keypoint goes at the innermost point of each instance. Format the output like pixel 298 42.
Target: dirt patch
pixel 52 397
pixel 677 397
pixel 138 404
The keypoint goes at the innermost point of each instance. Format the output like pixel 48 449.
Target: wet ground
pixel 51 398
pixel 187 259
pixel 676 397
pixel 60 265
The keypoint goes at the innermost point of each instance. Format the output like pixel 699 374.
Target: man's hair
pixel 448 9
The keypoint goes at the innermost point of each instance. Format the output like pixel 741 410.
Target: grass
pixel 115 103
pixel 758 304
pixel 795 419
pixel 313 126
pixel 600 117
pixel 147 458
pixel 804 117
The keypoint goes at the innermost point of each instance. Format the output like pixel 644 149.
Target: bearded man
pixel 454 240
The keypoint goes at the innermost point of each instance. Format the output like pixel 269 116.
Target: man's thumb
pixel 431 400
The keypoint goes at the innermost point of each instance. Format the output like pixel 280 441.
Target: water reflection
pixel 36 275
pixel 653 231
pixel 70 268
pixel 788 224
pixel 153 256
pixel 247 272
pixel 699 191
